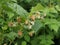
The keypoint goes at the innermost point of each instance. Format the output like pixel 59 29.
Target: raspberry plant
pixel 39 25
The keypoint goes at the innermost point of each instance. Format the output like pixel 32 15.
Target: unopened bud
pixel 31 33
pixel 29 26
pixel 38 16
pixel 26 22
pixel 5 44
pixel 15 24
pixel 38 13
pixel 42 17
pixel 32 22
pixel 44 14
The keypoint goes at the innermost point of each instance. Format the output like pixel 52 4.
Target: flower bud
pixel 31 33
pixel 38 16
pixel 26 22
pixel 38 13
pixel 5 44
pixel 42 17
pixel 12 24
pixel 44 14
pixel 29 26
pixel 32 22
pixel 15 24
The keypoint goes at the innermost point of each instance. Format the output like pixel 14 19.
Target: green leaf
pixel 46 1
pixel 52 23
pixel 10 14
pixel 46 40
pixel 58 1
pixel 18 9
pixel 14 0
pixel 35 41
pixel 55 27
pixel 27 37
pixel 38 7
pixel 52 10
pixel 37 25
pixel 24 43
pixel 5 27
pixel 12 35
pixel 28 1
pixel 57 7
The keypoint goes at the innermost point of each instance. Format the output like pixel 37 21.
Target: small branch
pixel 10 42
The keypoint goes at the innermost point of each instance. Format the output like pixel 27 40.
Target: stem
pixel 10 42
pixel 49 3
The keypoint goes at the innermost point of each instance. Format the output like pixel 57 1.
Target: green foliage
pixel 39 26
pixel 46 40
pixel 37 8
pixel 27 37
pixel 24 43
pixel 53 24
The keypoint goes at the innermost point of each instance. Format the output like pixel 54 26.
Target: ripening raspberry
pixel 30 34
pixel 10 24
pixel 20 33
pixel 18 19
pixel 32 17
